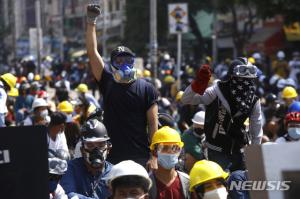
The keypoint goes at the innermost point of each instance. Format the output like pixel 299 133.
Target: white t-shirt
pixel 77 153
pixel 59 193
pixel 59 143
pixel 3 98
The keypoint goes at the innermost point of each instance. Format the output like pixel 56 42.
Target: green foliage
pixel 290 9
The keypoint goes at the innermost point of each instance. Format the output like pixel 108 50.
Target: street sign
pixel 178 18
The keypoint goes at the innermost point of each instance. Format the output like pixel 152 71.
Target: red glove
pixel 200 83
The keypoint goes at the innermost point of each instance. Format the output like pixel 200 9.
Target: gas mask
pixel 95 157
pixel 123 70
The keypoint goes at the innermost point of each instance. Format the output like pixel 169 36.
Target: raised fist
pixel 200 83
pixel 93 11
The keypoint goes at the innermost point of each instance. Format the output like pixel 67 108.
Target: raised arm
pixel 96 61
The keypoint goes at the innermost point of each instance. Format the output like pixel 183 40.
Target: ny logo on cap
pixel 121 49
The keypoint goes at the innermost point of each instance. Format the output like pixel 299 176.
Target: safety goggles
pixel 93 145
pixel 294 125
pixel 123 60
pixel 168 148
pixel 249 71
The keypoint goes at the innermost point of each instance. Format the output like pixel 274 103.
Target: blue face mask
pixel 294 133
pixel 123 70
pixel 52 186
pixel 167 161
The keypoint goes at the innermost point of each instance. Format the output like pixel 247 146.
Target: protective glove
pixel 200 83
pixel 93 11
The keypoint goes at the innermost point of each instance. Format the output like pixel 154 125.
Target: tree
pixel 289 9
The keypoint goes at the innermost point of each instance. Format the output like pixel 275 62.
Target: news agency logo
pixel 260 185
pixel 4 157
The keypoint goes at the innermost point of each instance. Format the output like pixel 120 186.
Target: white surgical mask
pixel 44 113
pixel 294 133
pixel 220 193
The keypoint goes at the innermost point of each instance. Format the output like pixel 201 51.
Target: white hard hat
pixel 30 76
pixel 167 56
pixel 280 55
pixel 39 102
pixel 199 118
pixel 256 56
pixel 127 168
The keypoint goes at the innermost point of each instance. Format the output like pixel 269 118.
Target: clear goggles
pixel 168 148
pixel 123 60
pixel 293 125
pixel 93 145
pixel 249 71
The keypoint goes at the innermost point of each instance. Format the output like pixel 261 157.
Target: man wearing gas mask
pixel 228 104
pixel 84 178
pixel 129 103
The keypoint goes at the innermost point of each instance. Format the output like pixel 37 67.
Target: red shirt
pixel 169 192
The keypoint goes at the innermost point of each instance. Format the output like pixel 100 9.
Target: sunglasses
pixel 245 70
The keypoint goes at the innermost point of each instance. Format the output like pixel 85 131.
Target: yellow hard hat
pixel 91 109
pixel 83 88
pixel 169 79
pixel 10 79
pixel 190 71
pixel 166 135
pixel 289 92
pixel 37 77
pixel 204 171
pixel 251 60
pixel 147 73
pixel 179 96
pixel 13 92
pixel 65 107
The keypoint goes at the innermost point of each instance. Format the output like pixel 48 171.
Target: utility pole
pixel 38 34
pixel 153 37
pixel 215 35
pixel 61 32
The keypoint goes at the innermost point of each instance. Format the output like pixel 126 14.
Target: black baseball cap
pixel 121 50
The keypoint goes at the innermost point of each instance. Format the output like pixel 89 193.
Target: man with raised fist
pixel 129 103
pixel 228 104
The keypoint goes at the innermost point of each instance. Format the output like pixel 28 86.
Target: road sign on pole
pixel 178 24
pixel 178 18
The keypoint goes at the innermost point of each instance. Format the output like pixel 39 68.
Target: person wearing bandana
pixel 84 178
pixel 228 104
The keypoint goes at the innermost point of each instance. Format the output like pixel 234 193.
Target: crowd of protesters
pixel 142 137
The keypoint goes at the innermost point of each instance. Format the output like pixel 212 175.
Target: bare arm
pixel 152 120
pixel 96 60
